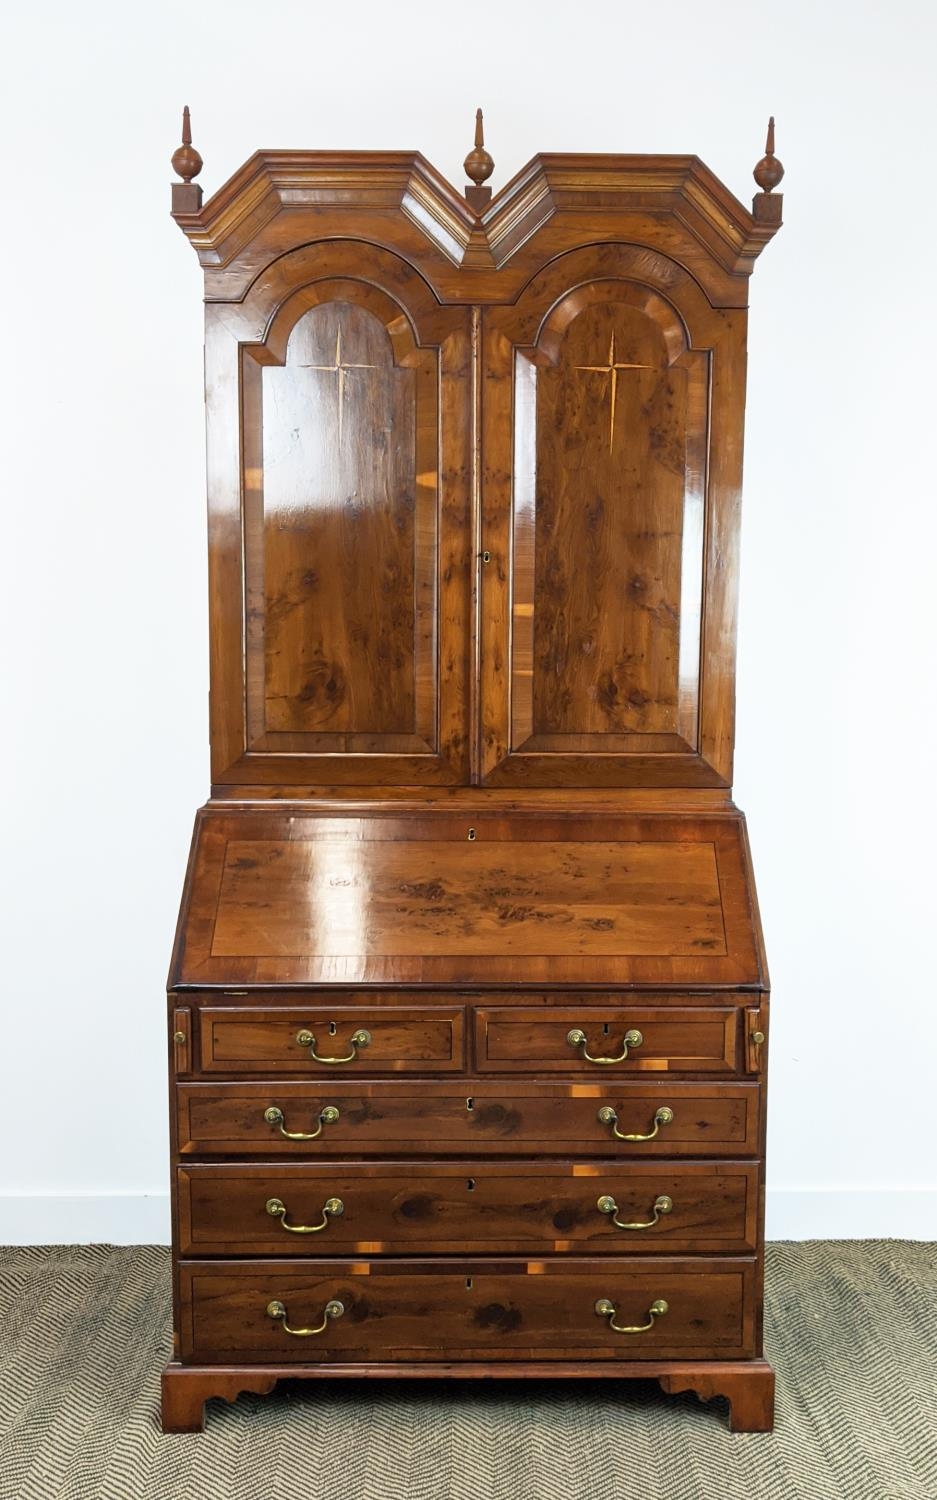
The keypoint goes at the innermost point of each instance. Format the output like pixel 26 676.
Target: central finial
pixel 479 165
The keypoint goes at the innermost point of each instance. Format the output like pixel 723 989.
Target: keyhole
pixel 605 1029
pixel 471 1184
pixel 471 835
pixel 333 1028
pixel 470 1103
pixel 468 1283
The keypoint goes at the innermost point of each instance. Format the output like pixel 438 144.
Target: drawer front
pixel 397 1209
pixel 428 1310
pixel 389 1119
pixel 590 1039
pixel 311 1039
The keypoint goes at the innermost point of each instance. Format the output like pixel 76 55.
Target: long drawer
pixel 354 1311
pixel 388 1208
pixel 311 1039
pixel 379 1119
pixel 592 1039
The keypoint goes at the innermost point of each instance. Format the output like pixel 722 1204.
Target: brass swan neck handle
pixel 662 1205
pixel 277 1311
pixel 274 1116
pixel 607 1309
pixel 662 1116
pixel 577 1038
pixel 333 1208
pixel 360 1039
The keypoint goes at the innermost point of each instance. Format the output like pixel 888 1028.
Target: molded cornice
pixel 277 199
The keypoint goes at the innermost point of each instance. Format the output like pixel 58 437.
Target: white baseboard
pixel 836 1213
pixel 792 1214
pixel 84 1219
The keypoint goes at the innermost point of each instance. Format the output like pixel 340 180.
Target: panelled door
pixel 345 589
pixel 607 504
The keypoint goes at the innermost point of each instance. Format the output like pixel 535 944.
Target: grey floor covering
pixel 851 1329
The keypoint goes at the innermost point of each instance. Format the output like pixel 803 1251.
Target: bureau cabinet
pixel 468 1005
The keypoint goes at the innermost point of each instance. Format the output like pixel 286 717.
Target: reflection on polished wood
pixel 392 899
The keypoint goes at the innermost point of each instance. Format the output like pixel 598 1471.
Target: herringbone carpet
pixel 852 1331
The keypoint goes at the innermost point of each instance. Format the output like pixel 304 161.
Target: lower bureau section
pixel 347 1311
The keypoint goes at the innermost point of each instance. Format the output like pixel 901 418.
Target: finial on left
pixel 186 195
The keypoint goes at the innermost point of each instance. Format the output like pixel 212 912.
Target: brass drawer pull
pixel 332 1209
pixel 360 1039
pixel 606 1309
pixel 577 1038
pixel 333 1309
pixel 662 1116
pixel 274 1116
pixel 662 1205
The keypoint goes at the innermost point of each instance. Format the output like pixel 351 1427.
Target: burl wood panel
pixel 427 1310
pixel 500 1118
pixel 436 897
pixel 606 489
pixel 347 588
pixel 473 1208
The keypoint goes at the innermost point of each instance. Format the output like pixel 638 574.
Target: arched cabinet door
pixel 612 408
pixel 338 491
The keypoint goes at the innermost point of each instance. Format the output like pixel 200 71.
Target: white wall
pixel 104 710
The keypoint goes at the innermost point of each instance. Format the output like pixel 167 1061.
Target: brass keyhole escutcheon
pixel 471 835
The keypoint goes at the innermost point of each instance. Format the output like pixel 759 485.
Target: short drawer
pixel 646 1118
pixel 400 1208
pixel 594 1039
pixel 311 1039
pixel 355 1311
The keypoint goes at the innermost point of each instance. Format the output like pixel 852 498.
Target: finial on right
pixel 768 172
pixel 479 165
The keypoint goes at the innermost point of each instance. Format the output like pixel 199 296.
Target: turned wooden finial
pixel 186 195
pixel 767 205
pixel 479 165
pixel 185 159
pixel 768 172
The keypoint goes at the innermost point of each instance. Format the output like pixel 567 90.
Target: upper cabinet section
pixel 474 468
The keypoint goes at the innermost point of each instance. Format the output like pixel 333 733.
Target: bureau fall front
pixel 468 1007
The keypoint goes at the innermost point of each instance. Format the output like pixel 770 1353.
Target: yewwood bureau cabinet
pixel 468 1007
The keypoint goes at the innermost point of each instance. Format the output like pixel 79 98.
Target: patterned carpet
pixel 852 1331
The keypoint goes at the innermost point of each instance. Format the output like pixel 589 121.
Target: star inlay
pixel 339 368
pixel 612 369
